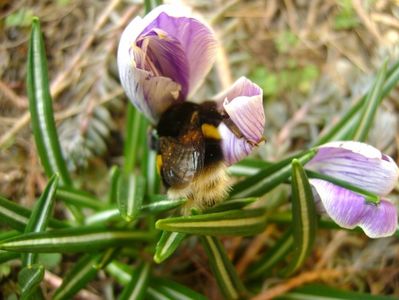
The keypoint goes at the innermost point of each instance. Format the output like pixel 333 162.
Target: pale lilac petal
pixel 152 95
pixel 357 163
pixel 241 87
pixel 248 115
pixel 197 40
pixel 234 148
pixel 349 210
pixel 380 221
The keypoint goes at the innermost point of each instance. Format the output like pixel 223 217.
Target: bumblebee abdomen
pixel 209 187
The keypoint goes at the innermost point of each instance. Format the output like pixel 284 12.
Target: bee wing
pixel 181 160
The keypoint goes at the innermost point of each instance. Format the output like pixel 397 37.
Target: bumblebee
pixel 189 153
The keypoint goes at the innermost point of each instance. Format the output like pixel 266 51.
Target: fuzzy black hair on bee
pixel 190 157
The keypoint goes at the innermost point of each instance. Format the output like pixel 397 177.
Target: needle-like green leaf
pixel 231 204
pixel 343 128
pixel 304 218
pixel 79 198
pixel 370 107
pixel 271 257
pixel 40 105
pixel 222 268
pixel 17 216
pixel 248 167
pixel 137 287
pixel 167 245
pixel 133 120
pixel 236 222
pixel 161 288
pixel 77 277
pixel 113 189
pixel 267 179
pixel 78 239
pixel 40 216
pixel 130 194
pixel 29 279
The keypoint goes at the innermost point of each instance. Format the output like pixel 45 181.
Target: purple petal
pixel 162 55
pixel 152 95
pixel 357 163
pixel 234 148
pixel 349 210
pixel 243 103
pixel 172 52
pixel 197 40
pixel 248 115
pixel 242 87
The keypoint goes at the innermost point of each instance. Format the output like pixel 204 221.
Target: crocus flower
pixel 363 166
pixel 164 57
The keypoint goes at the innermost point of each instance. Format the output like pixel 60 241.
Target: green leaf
pixel 40 105
pixel 222 268
pixel 130 194
pixel 341 130
pixel 231 204
pixel 29 278
pixel 370 107
pixel 304 218
pixel 267 179
pixel 248 167
pixel 120 272
pixel 323 292
pixel 167 245
pixel 159 288
pixel 40 216
pixel 236 222
pixel 78 239
pixel 7 256
pixel 79 198
pixel 77 277
pixel 107 257
pixel 113 214
pixel 168 289
pixel 114 179
pixel 160 206
pixel 272 257
pixel 17 216
pixel 151 173
pixel 137 287
pixel 133 120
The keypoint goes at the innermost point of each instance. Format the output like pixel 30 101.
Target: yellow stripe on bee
pixel 159 163
pixel 210 131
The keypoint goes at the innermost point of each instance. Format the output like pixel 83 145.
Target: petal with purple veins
pixel 349 210
pixel 152 95
pixel 175 51
pixel 162 55
pixel 241 87
pixel 196 39
pixel 248 115
pixel 243 104
pixel 234 148
pixel 357 163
